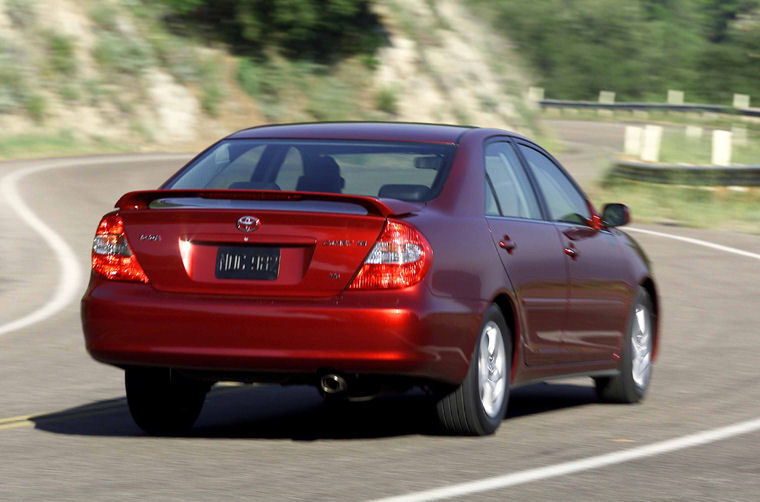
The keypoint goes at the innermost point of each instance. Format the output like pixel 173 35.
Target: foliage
pixel 638 48
pixel 212 91
pixel 105 15
pixel 36 106
pixel 698 207
pixel 12 84
pixel 316 29
pixel 121 54
pixel 387 100
pixel 60 53
pixel 55 144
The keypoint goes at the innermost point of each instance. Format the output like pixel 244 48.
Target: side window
pixel 513 194
pixel 564 201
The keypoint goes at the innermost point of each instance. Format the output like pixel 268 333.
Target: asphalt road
pixel 72 437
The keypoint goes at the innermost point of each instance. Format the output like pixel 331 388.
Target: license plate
pixel 247 262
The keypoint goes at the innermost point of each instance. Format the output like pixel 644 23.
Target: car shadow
pixel 298 413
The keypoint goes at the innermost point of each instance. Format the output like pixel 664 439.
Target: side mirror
pixel 615 215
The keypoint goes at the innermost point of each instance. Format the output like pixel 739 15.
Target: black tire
pixel 163 402
pixel 460 410
pixel 624 388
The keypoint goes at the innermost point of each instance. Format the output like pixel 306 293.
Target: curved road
pixel 65 432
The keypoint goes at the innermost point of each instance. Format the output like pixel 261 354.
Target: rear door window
pixel 564 202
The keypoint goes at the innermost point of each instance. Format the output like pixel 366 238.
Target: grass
pixel 709 120
pixel 32 145
pixel 677 148
pixel 697 207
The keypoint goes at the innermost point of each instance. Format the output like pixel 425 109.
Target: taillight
pixel 400 258
pixel 112 257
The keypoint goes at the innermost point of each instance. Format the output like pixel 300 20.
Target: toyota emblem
pixel 248 223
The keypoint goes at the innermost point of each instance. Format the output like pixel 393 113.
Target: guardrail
pixel 631 106
pixel 685 174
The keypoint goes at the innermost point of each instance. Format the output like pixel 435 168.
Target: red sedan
pixel 366 257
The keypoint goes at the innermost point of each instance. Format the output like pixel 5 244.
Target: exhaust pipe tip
pixel 333 384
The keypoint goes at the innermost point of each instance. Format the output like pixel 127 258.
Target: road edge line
pixel 583 464
pixel 67 288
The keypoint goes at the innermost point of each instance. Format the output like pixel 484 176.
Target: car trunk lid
pixel 253 243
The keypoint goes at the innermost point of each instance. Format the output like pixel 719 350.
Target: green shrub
pixel 330 99
pixel 264 79
pixel 211 86
pixel 36 106
pixel 121 54
pixel 94 91
pixel 70 92
pixel 13 85
pixel 61 54
pixel 105 15
pixel 176 55
pixel 637 48
pixel 387 101
pixel 303 28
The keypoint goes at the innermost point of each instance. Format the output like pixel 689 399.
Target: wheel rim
pixel 641 347
pixel 492 368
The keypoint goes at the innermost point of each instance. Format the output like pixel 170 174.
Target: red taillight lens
pixel 112 257
pixel 399 258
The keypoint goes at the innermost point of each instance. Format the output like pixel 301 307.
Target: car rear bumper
pixel 405 333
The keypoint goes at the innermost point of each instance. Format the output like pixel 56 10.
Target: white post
pixel 721 148
pixel 693 132
pixel 741 101
pixel 651 149
pixel 606 97
pixel 632 143
pixel 675 97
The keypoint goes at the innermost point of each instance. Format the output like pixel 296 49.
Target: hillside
pixel 88 75
pixel 638 48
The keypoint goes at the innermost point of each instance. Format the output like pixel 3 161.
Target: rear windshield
pixel 395 170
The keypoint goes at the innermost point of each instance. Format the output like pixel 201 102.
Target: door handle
pixel 507 244
pixel 571 251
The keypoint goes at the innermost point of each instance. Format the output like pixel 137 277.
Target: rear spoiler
pixel 379 207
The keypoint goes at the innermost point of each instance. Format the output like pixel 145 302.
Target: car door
pixel 598 296
pixel 530 250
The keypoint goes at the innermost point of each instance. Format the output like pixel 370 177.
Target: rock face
pixel 53 79
pixel 443 65
pixel 93 70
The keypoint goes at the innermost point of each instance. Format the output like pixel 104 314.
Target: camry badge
pixel 248 223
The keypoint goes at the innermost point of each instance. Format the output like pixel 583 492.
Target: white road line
pixel 68 287
pixel 584 464
pixel 698 243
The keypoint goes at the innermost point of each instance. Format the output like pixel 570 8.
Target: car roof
pixel 377 131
